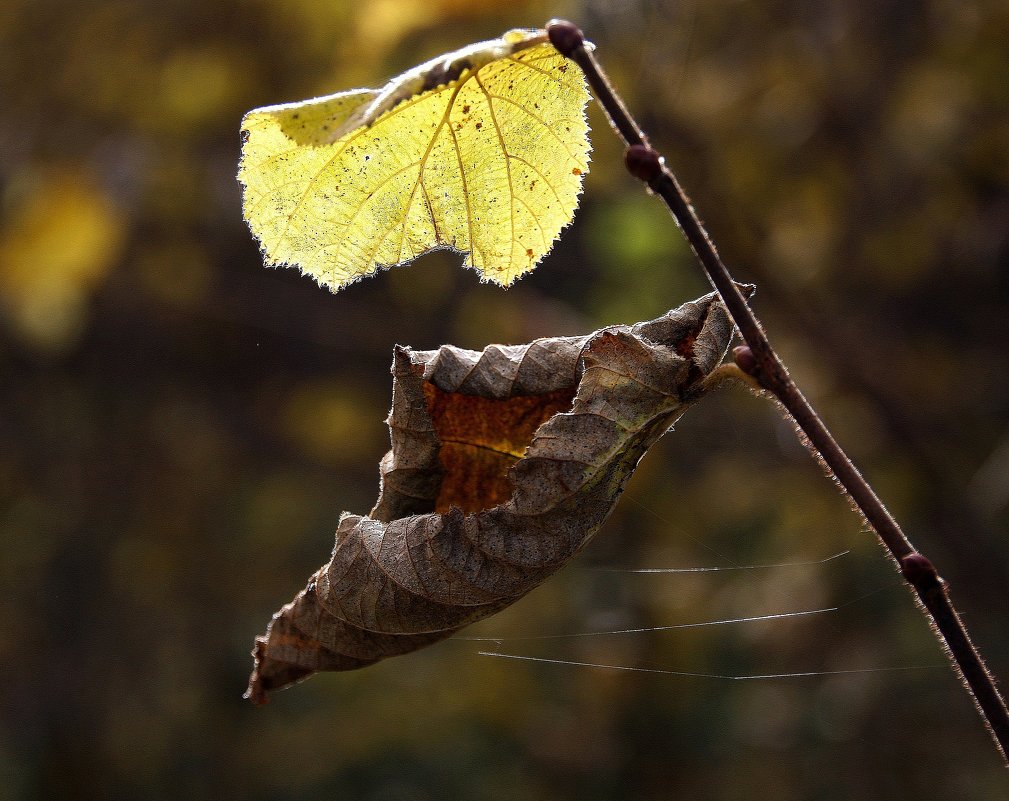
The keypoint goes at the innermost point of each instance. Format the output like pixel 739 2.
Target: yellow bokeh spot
pixel 388 21
pixel 60 237
pixel 331 422
pixel 195 85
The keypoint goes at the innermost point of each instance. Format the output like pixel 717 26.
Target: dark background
pixel 181 428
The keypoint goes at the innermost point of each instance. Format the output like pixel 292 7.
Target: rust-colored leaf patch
pixel 504 463
pixel 481 438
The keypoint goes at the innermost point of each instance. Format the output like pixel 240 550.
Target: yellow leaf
pixel 481 151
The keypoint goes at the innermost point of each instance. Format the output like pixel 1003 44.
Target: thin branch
pixel 758 359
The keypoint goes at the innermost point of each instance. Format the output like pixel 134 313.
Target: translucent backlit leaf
pixel 482 151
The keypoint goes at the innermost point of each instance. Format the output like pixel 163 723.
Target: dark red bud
pixel 918 570
pixel 643 162
pixel 565 36
pixel 744 359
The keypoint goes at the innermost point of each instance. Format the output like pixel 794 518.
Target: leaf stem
pixel 759 360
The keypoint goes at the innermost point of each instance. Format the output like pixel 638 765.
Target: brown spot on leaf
pixel 481 438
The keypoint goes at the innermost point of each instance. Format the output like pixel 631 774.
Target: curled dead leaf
pixel 504 463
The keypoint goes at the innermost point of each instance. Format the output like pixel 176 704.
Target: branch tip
pixel 565 36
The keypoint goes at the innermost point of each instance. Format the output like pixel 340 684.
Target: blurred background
pixel 180 428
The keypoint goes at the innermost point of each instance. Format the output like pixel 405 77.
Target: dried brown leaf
pixel 504 463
